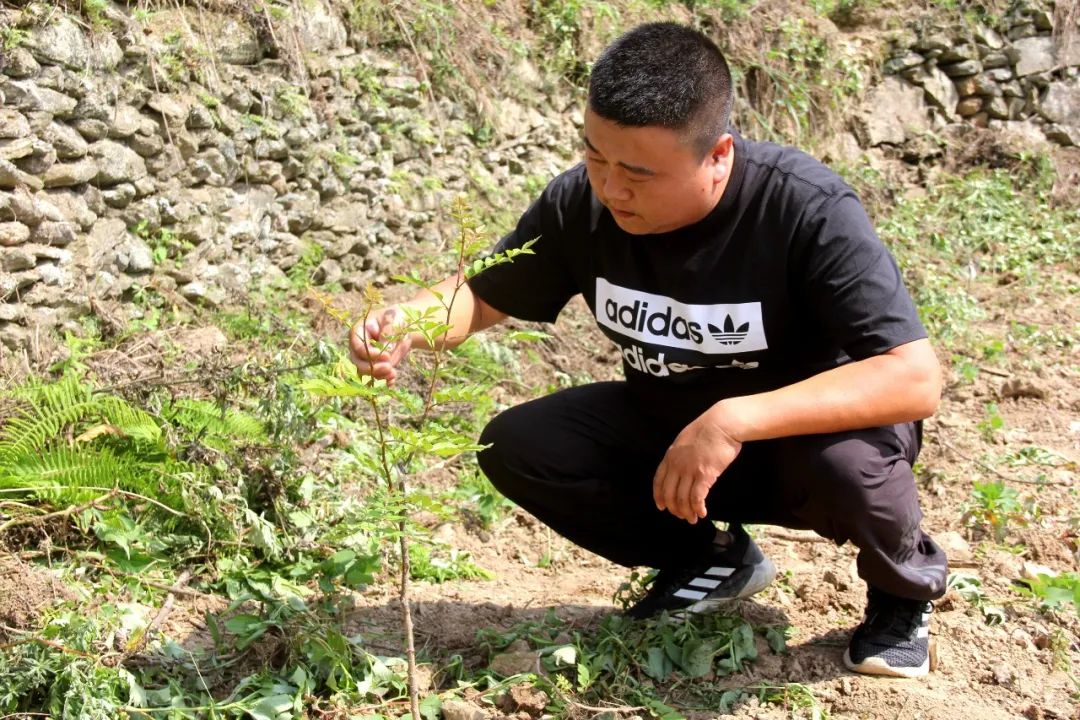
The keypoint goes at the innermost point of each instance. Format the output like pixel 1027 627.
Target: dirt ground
pixel 1011 670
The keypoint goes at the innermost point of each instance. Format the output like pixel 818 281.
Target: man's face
pixel 650 178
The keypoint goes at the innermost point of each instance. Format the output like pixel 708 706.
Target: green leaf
pixel 431 707
pixel 274 707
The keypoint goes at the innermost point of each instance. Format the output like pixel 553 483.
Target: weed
pixel 970 588
pixel 12 37
pixel 994 507
pixel 1053 592
pixel 992 423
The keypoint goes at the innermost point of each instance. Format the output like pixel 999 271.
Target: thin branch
pixel 136 644
pixel 73 510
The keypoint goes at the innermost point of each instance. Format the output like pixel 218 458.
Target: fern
pixel 63 475
pixel 55 407
pixel 214 426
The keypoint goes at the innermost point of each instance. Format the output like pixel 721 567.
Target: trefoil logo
pixel 730 335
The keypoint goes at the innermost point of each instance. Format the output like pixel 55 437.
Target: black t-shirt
pixel 785 278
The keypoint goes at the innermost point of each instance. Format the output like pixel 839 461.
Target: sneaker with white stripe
pixel 893 639
pixel 736 569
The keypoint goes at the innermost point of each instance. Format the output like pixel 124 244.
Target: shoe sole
pixel 877 666
pixel 763 575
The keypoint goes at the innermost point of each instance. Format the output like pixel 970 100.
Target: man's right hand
pixel 376 346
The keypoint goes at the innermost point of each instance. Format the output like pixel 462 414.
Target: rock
pixel 1067 135
pixel 227 37
pixel 13 124
pixel 120 196
pixel 987 37
pixel 320 28
pixel 958 53
pixel 17 148
pixel 57 234
pixel 13 177
pixel 1062 102
pixel 14 283
pixel 1032 571
pixel 41 158
pixel 997 108
pixel 462 710
pixel 197 290
pixel 14 337
pixel 1019 388
pixel 1036 55
pixel 63 42
pixel 999 75
pixel 956 548
pixel 515 663
pixel 996 60
pixel 21 206
pixel 896 65
pixel 969 106
pixel 67 141
pixel 199 118
pixel 135 257
pixel 12 313
pixel 14 259
pixel 891 108
pixel 98 247
pixel 92 130
pixel 74 206
pixel 70 174
pixel 174 109
pixel 147 145
pixel 26 95
pixel 13 233
pixel 962 69
pixel 941 93
pixel 116 163
pixel 19 63
pixel 202 341
pixel 981 85
pixel 124 122
pixel 524 699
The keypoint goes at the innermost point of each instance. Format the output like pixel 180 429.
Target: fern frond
pixel 62 474
pixel 206 419
pixel 54 407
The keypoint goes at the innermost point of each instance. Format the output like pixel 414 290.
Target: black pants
pixel 582 461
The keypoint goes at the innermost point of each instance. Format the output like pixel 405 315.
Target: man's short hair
pixel 667 75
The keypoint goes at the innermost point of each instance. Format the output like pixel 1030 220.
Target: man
pixel 774 361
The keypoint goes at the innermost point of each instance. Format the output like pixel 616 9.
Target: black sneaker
pixel 736 569
pixel 893 639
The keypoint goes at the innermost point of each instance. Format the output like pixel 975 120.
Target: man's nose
pixel 615 188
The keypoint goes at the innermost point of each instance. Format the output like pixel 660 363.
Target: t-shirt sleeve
pixel 853 285
pixel 533 286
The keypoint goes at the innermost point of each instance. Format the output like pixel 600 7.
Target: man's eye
pixel 593 159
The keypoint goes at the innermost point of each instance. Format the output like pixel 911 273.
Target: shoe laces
pixel 892 615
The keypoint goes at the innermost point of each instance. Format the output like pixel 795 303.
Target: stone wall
pixel 1020 72
pixel 180 152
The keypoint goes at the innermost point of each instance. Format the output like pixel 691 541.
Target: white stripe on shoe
pixel 704 583
pixel 720 571
pixel 687 594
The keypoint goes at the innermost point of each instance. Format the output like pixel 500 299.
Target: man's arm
pixel 900 385
pixel 376 347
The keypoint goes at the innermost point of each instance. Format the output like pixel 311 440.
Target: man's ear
pixel 720 156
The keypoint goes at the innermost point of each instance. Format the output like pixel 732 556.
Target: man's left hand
pixel 699 455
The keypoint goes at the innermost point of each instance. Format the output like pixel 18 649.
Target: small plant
pixel 992 423
pixel 994 507
pixel 970 588
pixel 12 37
pixel 1056 591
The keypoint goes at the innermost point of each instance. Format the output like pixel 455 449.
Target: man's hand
pixel 376 345
pixel 700 453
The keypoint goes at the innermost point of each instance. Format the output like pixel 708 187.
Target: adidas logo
pixel 730 335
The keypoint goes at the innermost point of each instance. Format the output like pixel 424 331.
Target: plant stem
pixel 406 615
